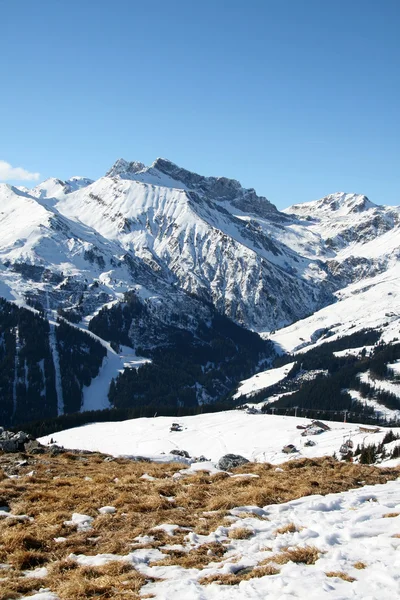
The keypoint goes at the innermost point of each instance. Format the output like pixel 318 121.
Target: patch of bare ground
pixel 289 528
pixel 307 555
pixel 194 559
pixel 341 575
pixel 242 575
pixel 240 533
pixel 82 483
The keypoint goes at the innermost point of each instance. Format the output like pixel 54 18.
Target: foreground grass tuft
pixel 240 533
pixel 289 528
pixel 236 578
pixel 341 575
pixel 307 555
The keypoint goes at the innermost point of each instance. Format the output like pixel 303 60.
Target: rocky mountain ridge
pixel 145 257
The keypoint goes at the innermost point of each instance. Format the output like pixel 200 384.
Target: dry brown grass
pixel 83 483
pixel 390 515
pixel 194 559
pixel 360 565
pixel 243 575
pixel 240 533
pixel 208 522
pixel 307 555
pixel 341 575
pixel 289 528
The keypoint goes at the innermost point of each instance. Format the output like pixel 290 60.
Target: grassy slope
pixel 78 482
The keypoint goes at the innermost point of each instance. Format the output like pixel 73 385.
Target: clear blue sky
pixel 297 98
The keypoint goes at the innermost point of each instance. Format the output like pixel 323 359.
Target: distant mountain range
pixel 169 265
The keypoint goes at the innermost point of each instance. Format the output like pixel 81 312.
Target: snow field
pixel 352 312
pixel 258 437
pixel 262 380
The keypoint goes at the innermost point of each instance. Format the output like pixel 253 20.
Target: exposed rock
pixel 54 450
pixel 13 442
pixel 230 461
pixel 201 458
pixel 183 453
pixel 34 447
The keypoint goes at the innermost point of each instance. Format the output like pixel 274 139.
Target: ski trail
pixel 17 349
pixel 56 359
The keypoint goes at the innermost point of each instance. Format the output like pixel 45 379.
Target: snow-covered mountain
pixel 187 245
pixel 161 228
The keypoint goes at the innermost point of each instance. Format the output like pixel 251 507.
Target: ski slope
pixel 262 380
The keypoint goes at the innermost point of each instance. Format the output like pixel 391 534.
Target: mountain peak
pixel 165 173
pixel 350 202
pixel 339 203
pixel 123 166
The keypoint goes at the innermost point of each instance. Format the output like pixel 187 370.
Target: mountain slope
pixel 125 230
pixel 148 258
pixel 44 366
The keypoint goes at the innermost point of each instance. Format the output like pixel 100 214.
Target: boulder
pixel 13 442
pixel 201 458
pixel 34 447
pixel 182 453
pixel 230 461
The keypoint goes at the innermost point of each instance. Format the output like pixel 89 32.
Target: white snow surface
pixel 346 528
pixel 43 595
pixel 381 384
pixel 395 367
pixel 262 380
pixel 379 409
pixel 95 397
pixel 372 303
pixel 81 522
pixel 258 437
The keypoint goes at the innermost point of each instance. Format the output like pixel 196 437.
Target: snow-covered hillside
pixel 372 302
pixel 257 437
pixel 146 227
